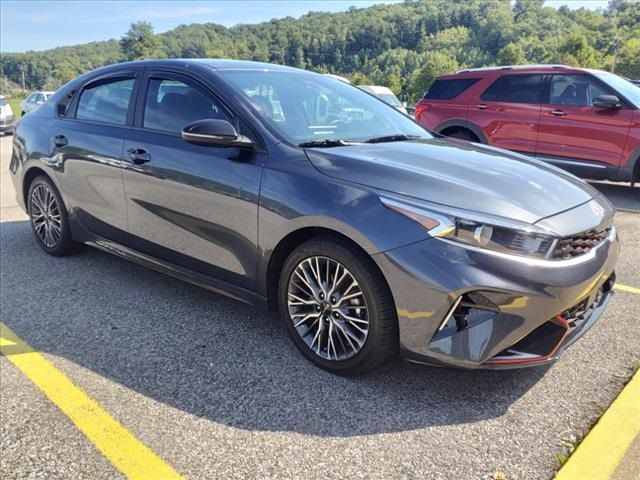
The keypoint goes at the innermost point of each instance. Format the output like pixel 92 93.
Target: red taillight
pixel 420 108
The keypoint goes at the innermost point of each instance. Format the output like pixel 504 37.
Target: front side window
pixel 574 90
pixel 171 105
pixel 306 107
pixel 514 89
pixel 623 87
pixel 106 101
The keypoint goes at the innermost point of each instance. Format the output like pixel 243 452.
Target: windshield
pixel 306 107
pixel 630 91
pixel 3 102
pixel 390 99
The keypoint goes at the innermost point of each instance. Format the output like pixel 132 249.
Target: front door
pixel 194 206
pixel 573 128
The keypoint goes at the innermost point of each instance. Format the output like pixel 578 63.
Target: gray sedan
pixel 288 190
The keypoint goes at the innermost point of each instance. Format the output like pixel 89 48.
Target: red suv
pixel 585 121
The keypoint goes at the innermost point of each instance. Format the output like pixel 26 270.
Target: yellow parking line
pixel 124 451
pixel 602 450
pixel 627 288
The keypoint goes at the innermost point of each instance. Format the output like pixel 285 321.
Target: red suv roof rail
pixel 510 67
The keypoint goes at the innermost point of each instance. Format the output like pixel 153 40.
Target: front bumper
pixel 7 125
pixel 517 318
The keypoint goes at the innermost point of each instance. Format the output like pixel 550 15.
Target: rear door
pixel 192 205
pixel 508 112
pixel 572 128
pixel 87 141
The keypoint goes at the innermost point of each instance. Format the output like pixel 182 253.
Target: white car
pixel 33 101
pixel 6 116
pixel 386 95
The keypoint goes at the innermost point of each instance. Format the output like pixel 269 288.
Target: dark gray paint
pixel 215 216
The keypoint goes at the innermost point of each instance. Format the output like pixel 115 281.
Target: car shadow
pixel 218 359
pixel 622 195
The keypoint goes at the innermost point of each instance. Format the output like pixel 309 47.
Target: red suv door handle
pixel 481 106
pixel 558 113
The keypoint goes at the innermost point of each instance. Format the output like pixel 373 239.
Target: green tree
pixel 436 64
pixel 576 51
pixel 511 54
pixel 140 42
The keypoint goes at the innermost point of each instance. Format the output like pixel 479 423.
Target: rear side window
pixel 448 89
pixel 515 89
pixel 106 101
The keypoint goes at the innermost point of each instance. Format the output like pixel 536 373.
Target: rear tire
pixel 352 325
pixel 49 218
pixel 465 135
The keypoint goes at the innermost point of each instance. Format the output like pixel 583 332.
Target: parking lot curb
pixel 604 448
pixel 134 459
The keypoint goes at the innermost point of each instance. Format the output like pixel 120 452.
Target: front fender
pixel 298 197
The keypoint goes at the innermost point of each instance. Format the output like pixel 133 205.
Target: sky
pixel 40 24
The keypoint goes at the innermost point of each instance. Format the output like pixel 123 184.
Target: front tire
pixel 337 307
pixel 49 218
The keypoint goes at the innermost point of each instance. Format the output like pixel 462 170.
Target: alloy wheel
pixel 328 308
pixel 45 216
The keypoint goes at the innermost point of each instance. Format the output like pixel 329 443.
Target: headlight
pixel 478 234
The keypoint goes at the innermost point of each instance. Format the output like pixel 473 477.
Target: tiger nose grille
pixel 579 244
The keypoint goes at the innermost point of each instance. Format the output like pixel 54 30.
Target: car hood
pixel 458 174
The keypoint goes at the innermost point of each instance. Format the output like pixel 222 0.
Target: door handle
pixel 481 106
pixel 60 141
pixel 558 113
pixel 139 155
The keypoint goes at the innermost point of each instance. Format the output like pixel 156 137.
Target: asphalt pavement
pixel 217 389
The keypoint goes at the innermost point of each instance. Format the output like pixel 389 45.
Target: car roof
pixel 217 64
pixel 376 88
pixel 544 68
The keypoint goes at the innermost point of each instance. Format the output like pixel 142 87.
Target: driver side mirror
pixel 607 101
pixel 212 132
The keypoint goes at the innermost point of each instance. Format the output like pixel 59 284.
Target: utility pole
pixel 24 88
pixel 615 51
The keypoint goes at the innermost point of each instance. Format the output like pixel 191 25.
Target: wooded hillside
pixel 401 45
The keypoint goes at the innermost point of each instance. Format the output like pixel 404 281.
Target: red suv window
pixel 515 89
pixel 448 89
pixel 576 90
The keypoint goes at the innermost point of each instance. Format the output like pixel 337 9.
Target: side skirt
pixel 583 168
pixel 249 297
pixel 204 281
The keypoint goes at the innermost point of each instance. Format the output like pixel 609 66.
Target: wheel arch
pixel 293 240
pixel 463 124
pixel 35 171
pixel 29 176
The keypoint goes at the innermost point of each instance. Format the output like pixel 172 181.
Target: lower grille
pixel 545 340
pixel 569 247
pixel 577 314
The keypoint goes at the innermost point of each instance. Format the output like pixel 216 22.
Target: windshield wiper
pixel 392 138
pixel 327 143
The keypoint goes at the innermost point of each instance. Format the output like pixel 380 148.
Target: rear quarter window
pixel 448 89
